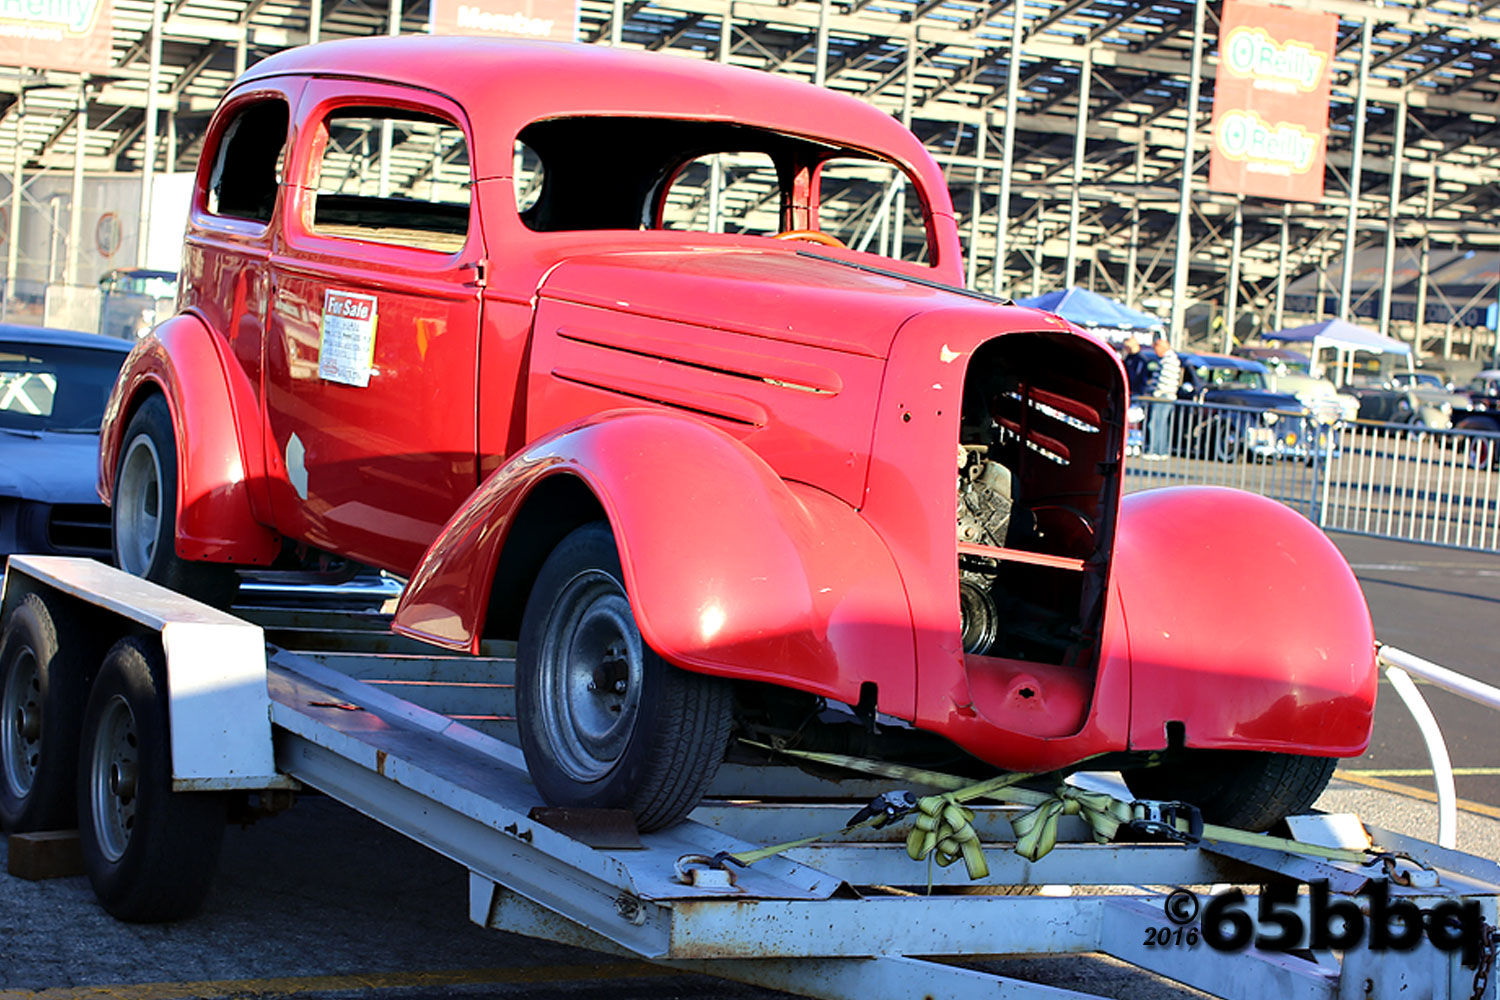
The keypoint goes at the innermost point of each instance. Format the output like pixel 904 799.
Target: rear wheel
pixel 144 512
pixel 605 722
pixel 1244 789
pixel 1478 446
pixel 149 852
pixel 41 703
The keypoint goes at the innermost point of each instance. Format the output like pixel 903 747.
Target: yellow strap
pixel 944 828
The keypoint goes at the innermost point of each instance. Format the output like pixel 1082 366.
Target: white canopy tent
pixel 1344 339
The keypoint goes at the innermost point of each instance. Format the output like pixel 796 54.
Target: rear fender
pixel 730 570
pixel 220 457
pixel 1246 626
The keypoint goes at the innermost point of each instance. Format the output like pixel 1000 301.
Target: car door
pixel 374 321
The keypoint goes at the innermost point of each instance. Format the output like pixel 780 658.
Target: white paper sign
pixel 346 346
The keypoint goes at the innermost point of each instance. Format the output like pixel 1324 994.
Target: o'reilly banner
pixel 70 35
pixel 552 19
pixel 1270 125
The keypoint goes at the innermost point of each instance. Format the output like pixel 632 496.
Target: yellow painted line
pixel 291 985
pixel 1421 772
pixel 1358 778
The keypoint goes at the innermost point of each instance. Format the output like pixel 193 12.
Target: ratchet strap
pixel 944 832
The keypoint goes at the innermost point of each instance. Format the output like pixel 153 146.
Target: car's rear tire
pixel 1226 441
pixel 149 852
pixel 1478 448
pixel 144 512
pixel 41 706
pixel 605 722
pixel 1244 789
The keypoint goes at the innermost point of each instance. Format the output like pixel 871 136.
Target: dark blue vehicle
pixel 53 387
pixel 1226 409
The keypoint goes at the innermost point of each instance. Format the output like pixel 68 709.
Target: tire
pixel 1479 450
pixel 149 852
pixel 143 513
pixel 41 708
pixel 605 722
pixel 1244 789
pixel 1226 442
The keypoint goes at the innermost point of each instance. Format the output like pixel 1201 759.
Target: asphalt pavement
pixel 321 902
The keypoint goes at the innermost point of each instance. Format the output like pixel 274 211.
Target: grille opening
pixel 1038 488
pixel 81 529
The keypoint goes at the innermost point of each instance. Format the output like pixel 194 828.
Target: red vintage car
pixel 664 369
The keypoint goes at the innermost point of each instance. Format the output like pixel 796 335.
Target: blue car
pixel 53 387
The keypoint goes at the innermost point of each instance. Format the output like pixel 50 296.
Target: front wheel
pixel 143 512
pixel 605 722
pixel 1244 789
pixel 149 852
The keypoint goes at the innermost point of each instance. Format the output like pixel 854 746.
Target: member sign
pixel 346 346
pixel 1270 124
pixel 74 35
pixel 552 19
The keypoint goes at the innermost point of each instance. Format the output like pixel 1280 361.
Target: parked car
pixel 1393 400
pixel 707 480
pixel 1243 414
pixel 1480 419
pixel 131 300
pixel 1291 373
pixel 53 387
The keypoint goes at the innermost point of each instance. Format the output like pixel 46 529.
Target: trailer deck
pixel 419 741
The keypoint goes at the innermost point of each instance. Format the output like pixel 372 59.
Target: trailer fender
pixel 1246 626
pixel 730 570
pixel 220 457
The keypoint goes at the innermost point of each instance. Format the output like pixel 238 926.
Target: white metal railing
pixel 1400 481
pixel 1399 667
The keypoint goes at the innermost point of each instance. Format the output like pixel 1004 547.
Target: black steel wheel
pixel 1244 789
pixel 41 704
pixel 149 852
pixel 143 512
pixel 605 722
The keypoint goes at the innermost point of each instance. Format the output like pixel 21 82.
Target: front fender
pixel 730 570
pixel 1245 625
pixel 219 452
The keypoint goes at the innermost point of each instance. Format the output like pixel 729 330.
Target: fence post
pixel 1323 467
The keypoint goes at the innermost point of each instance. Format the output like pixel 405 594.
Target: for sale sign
pixel 346 345
pixel 552 19
pixel 1270 124
pixel 73 35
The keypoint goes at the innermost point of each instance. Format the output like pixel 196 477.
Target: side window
pixel 858 201
pixel 749 196
pixel 247 167
pixel 388 175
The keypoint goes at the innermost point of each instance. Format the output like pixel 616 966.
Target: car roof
pixel 508 83
pixel 1223 361
pixel 17 334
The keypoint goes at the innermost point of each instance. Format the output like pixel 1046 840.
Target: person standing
pixel 1137 374
pixel 1164 388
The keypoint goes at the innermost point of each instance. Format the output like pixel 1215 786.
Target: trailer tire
pixel 605 722
pixel 143 512
pixel 1244 789
pixel 149 852
pixel 41 708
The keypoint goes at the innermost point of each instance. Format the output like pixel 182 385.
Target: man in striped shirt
pixel 1163 399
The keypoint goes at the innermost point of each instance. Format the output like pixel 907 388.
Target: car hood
pixel 49 466
pixel 796 296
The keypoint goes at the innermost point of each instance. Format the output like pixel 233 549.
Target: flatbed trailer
pixel 422 741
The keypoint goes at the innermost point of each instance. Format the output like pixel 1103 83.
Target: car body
pixel 519 361
pixel 53 388
pixel 1406 400
pixel 1247 414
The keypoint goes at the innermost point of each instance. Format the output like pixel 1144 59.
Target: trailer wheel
pixel 1245 789
pixel 606 722
pixel 41 704
pixel 144 512
pixel 149 852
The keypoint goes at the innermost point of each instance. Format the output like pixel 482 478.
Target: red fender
pixel 730 570
pixel 219 442
pixel 1246 625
